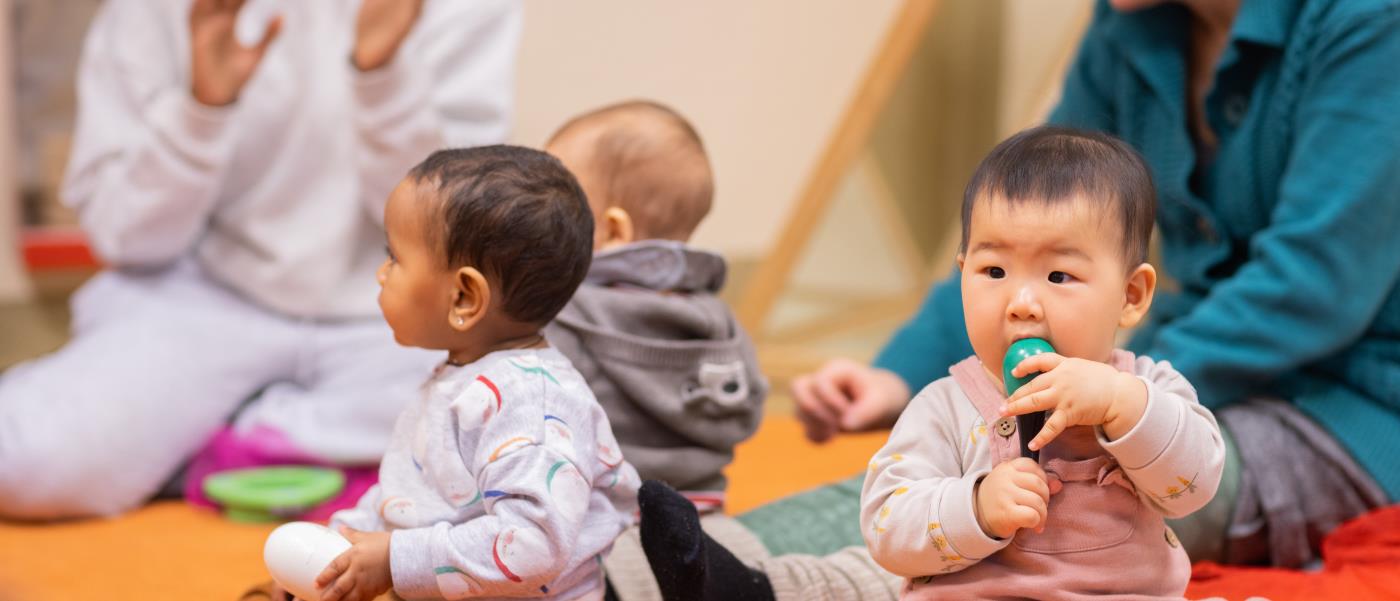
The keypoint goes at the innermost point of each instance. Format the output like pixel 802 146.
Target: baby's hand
pixel 1077 392
pixel 361 573
pixel 279 594
pixel 1015 495
pixel 380 29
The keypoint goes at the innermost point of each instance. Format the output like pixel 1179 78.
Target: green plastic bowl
pixel 271 494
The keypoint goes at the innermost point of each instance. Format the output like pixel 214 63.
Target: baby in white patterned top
pixel 504 479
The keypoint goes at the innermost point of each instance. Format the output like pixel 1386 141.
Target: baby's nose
pixel 1025 305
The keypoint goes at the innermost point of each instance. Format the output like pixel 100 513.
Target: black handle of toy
pixel 1029 425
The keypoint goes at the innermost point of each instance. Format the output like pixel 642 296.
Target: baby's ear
pixel 1137 295
pixel 615 228
pixel 471 296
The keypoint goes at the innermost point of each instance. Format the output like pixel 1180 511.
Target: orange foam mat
pixel 168 550
pixel 172 551
pixel 779 461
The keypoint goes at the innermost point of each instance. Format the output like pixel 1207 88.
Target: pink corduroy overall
pixel 1099 539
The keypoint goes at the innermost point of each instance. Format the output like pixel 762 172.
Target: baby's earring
pixel 461 321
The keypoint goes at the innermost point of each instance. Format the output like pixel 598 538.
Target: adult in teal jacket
pixel 1273 130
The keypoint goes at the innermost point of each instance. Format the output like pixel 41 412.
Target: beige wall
pixel 766 82
pixel 763 81
pixel 1040 39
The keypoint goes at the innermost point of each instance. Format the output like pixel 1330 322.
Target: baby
pixel 1056 224
pixel 504 479
pixel 664 355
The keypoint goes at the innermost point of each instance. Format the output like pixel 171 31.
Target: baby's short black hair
pixel 518 216
pixel 1050 164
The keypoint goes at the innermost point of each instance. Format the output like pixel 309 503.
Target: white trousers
pixel 160 361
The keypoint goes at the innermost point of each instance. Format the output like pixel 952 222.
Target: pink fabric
pixel 262 447
pixel 1100 539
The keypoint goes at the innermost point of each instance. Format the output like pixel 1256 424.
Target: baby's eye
pixel 390 253
pixel 1060 277
pixel 996 273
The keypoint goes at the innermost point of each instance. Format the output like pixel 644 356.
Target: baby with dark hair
pixel 513 213
pixel 504 478
pixel 1056 225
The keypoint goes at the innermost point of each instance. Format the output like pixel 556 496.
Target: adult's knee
pixel 41 482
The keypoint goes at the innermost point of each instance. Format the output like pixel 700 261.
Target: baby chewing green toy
pixel 1028 424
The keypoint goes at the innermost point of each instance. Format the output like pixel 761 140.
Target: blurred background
pixel 841 135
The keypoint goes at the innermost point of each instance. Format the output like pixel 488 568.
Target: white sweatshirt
pixel 503 480
pixel 280 195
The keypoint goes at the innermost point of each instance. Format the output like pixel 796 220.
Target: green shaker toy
pixel 1028 424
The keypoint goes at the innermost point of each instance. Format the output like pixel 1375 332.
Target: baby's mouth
pixel 1019 337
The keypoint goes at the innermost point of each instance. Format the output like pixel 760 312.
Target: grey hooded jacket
pixel 666 359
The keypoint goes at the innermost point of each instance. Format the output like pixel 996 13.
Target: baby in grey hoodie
pixel 664 355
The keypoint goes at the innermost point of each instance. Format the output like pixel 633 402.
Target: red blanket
pixel 1361 560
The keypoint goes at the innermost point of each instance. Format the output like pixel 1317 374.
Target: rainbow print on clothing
pixel 530 364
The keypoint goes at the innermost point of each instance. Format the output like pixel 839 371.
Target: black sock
pixel 688 564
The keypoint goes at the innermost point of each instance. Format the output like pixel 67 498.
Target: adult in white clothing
pixel 235 187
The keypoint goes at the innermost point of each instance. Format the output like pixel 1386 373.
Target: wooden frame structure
pixel 857 123
pixel 14 281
